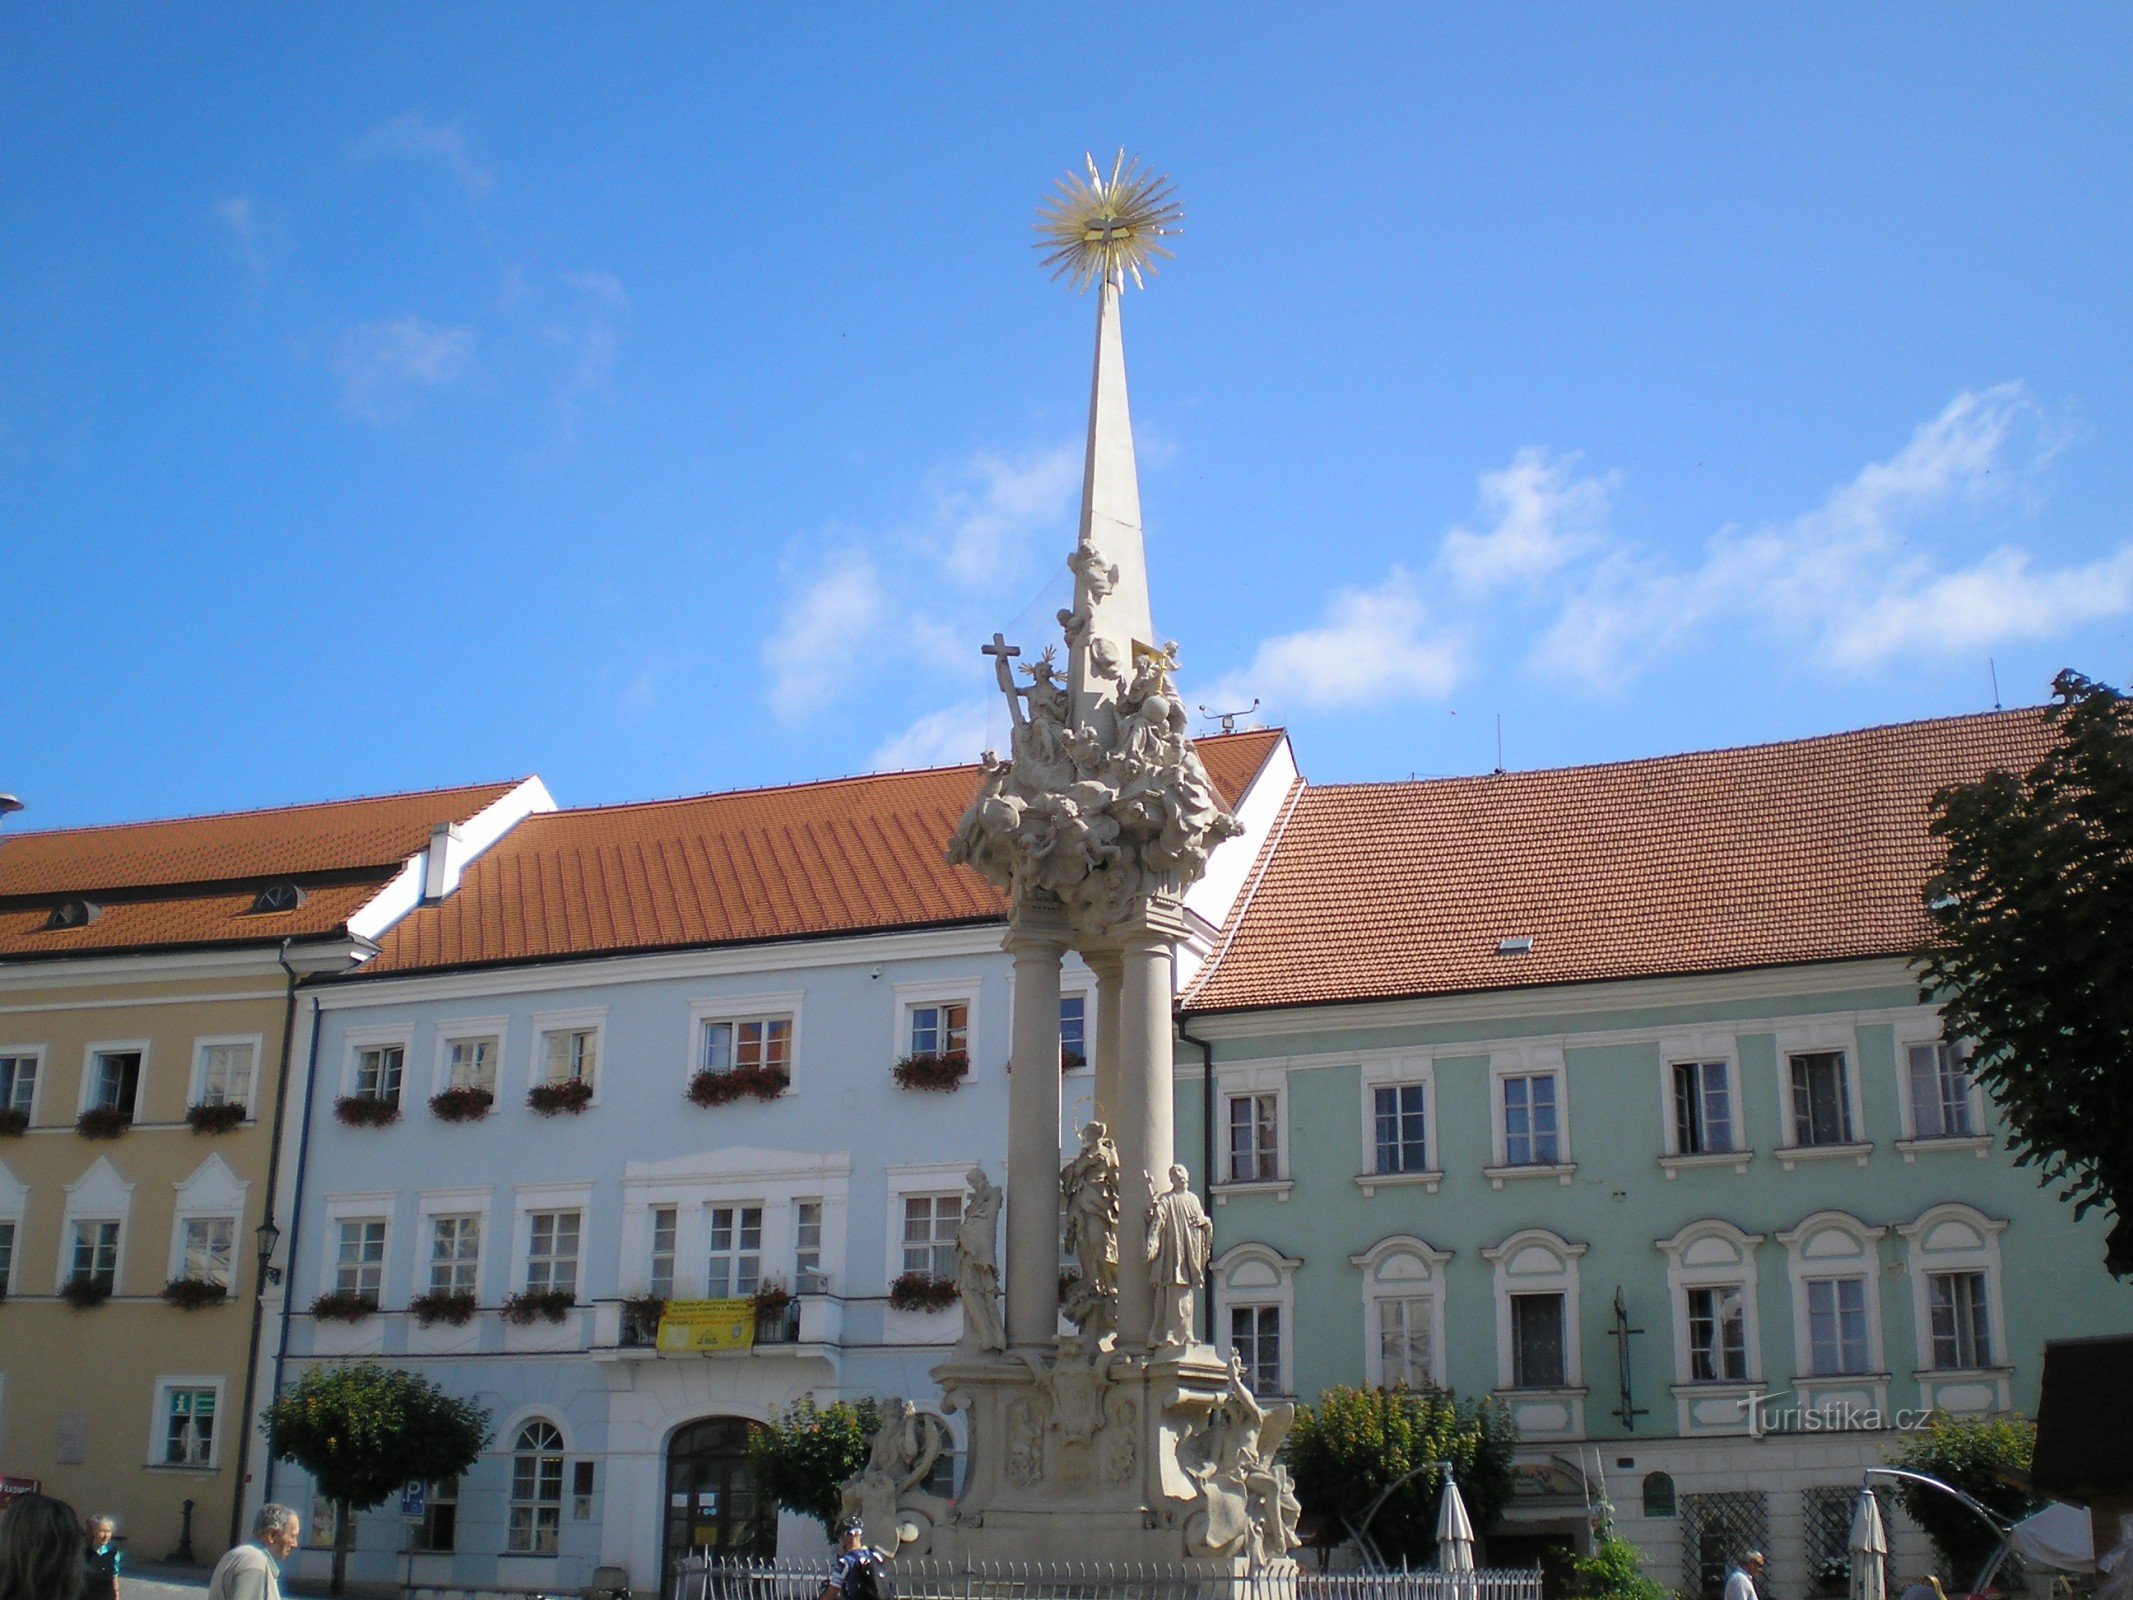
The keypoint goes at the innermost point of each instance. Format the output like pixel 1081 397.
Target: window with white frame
pixel 1403 1312
pixel 1940 1091
pixel 470 1061
pixel 1255 1335
pixel 552 1251
pixel 359 1258
pixel 1406 1340
pixel 1821 1097
pixel 115 1081
pixel 1255 1309
pixel 379 1071
pixel 1955 1272
pixel 226 1070
pixel 438 1533
pixel 569 1055
pixel 807 1274
pixel 95 1254
pixel 1254 1136
pixel 1073 1031
pixel 1398 1114
pixel 1961 1320
pixel 930 1221
pixel 536 1509
pixel 666 1226
pixel 187 1413
pixel 1531 1127
pixel 1718 1334
pixel 207 1249
pixel 1703 1108
pixel 1711 1277
pixel 18 1081
pixel 939 1028
pixel 1839 1342
pixel 734 1258
pixel 1539 1353
pixel 1835 1265
pixel 1536 1310
pixel 750 1043
pixel 455 1254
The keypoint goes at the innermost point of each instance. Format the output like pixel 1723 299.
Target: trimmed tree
pixel 804 1455
pixel 363 1431
pixel 1357 1443
pixel 2031 950
pixel 1985 1457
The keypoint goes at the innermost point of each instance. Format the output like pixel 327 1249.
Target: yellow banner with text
pixel 707 1325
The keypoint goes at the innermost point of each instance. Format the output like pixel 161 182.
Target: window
pixel 1255 1334
pixel 1940 1092
pixel 439 1532
pixel 1703 1109
pixel 1073 1030
pixel 736 1254
pixel 188 1427
pixel 1837 1339
pixel 1404 1342
pixel 18 1082
pixel 359 1264
pixel 115 1081
pixel 665 1220
pixel 1402 1142
pixel 930 1221
pixel 1962 1337
pixel 1537 1342
pixel 208 1248
pixel 470 1064
pixel 1821 1098
pixel 1659 1495
pixel 379 1069
pixel 940 1029
pixel 1529 1121
pixel 1403 1311
pixel 536 1515
pixel 226 1073
pixel 807 1274
pixel 96 1247
pixel 1718 1336
pixel 455 1255
pixel 753 1042
pixel 7 1253
pixel 570 1055
pixel 552 1252
pixel 1254 1138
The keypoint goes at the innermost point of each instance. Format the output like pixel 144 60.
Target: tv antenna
pixel 1228 719
pixel 1993 667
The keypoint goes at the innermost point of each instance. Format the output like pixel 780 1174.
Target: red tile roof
pixel 1813 850
pixel 852 855
pixel 190 880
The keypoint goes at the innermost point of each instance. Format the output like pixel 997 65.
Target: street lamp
pixel 9 805
pixel 268 1236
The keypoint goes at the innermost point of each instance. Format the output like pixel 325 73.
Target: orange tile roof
pixel 1814 850
pixel 190 880
pixel 851 855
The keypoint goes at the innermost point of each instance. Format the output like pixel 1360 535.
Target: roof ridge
pixel 506 784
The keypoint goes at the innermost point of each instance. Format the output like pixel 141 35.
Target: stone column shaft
pixel 1038 940
pixel 1145 1115
pixel 1108 967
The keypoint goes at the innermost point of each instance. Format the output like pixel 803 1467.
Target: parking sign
pixel 414 1502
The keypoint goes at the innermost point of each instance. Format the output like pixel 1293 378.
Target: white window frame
pixel 212 1193
pixel 1520 1061
pixel 1923 1030
pixel 1243 1078
pixel 42 1057
pixel 1702 1045
pixel 356 1040
pixel 526 1199
pixel 1403 1070
pixel 929 1177
pixel 376 1206
pixel 98 1195
pixel 98 1047
pixel 1521 1269
pixel 196 1087
pixel 509 1437
pixel 430 1204
pixel 1712 1254
pixel 159 1421
pixel 455 1030
pixel 14 1207
pixel 1082 986
pixel 1402 1267
pixel 732 1176
pixel 1835 1244
pixel 581 1019
pixel 1937 1242
pixel 1816 1038
pixel 746 1008
pixel 1255 1274
pixel 952 991
pixel 765 1263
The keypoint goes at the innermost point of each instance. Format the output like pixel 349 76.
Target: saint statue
pixel 1179 1239
pixel 1089 1188
pixel 905 1447
pixel 977 1268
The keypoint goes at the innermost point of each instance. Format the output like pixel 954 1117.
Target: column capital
pixel 1159 919
pixel 1036 921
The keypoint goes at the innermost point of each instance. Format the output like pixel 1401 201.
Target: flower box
pixel 366 1111
pixel 550 1099
pixel 640 1318
pixel 190 1294
pixel 344 1305
pixel 771 1299
pixel 461 1105
pixel 1070 1059
pixel 102 1122
pixel 14 1124
pixel 945 1071
pixel 219 1117
pixel 538 1305
pixel 737 1083
pixel 457 1308
pixel 922 1291
pixel 83 1291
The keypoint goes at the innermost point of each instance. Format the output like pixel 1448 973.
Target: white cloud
pixel 411 135
pixel 255 233
pixel 987 509
pixel 1375 645
pixel 1542 519
pixel 823 632
pixel 384 366
pixel 949 737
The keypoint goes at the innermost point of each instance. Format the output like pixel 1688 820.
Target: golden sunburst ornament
pixel 1097 228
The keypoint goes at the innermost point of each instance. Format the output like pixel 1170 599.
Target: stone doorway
pixel 711 1504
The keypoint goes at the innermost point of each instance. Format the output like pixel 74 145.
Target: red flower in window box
pixel 219 1117
pixel 538 1305
pixel 102 1122
pixel 82 1292
pixel 640 1318
pixel 456 1307
pixel 922 1291
pixel 366 1111
pixel 461 1105
pixel 736 1083
pixel 344 1305
pixel 944 1070
pixel 190 1294
pixel 549 1099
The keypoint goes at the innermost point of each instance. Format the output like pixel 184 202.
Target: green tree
pixel 804 1455
pixel 1356 1443
pixel 363 1431
pixel 1985 1457
pixel 2031 949
pixel 1614 1571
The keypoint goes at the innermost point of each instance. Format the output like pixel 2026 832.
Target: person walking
pixel 1740 1582
pixel 857 1572
pixel 253 1571
pixel 101 1562
pixel 40 1549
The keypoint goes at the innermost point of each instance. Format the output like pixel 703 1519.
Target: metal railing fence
pixel 704 1578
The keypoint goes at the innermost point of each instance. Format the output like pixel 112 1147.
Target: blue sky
pixel 669 400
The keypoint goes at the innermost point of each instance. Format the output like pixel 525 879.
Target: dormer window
pixel 73 913
pixel 277 897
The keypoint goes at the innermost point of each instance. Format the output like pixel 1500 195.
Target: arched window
pixel 1710 1274
pixel 536 1490
pixel 1403 1312
pixel 1955 1307
pixel 1658 1495
pixel 1537 1324
pixel 1255 1313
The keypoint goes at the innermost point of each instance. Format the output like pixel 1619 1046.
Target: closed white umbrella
pixel 1455 1532
pixel 1870 1550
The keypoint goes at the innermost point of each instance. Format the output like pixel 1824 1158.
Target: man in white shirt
pixel 1740 1582
pixel 253 1571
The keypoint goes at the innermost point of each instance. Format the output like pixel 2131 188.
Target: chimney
pixel 441 864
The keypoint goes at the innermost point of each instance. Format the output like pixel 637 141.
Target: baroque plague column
pixel 1127 1439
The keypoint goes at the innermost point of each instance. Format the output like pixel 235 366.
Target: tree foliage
pixel 2031 949
pixel 1985 1457
pixel 363 1431
pixel 1355 1443
pixel 1614 1571
pixel 803 1456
